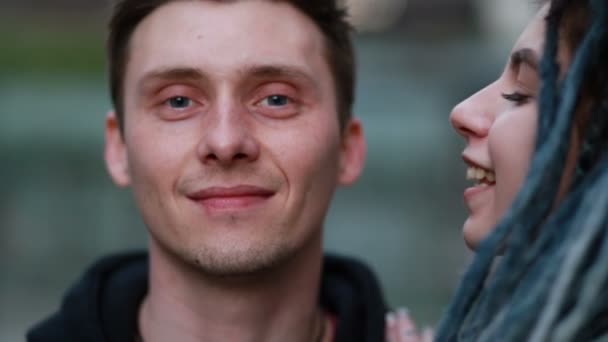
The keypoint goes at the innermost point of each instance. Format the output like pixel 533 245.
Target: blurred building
pixel 369 15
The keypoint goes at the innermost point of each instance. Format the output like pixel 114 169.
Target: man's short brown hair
pixel 328 15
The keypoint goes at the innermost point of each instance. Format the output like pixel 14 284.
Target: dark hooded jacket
pixel 103 305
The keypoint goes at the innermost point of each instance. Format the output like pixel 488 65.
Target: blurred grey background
pixel 59 211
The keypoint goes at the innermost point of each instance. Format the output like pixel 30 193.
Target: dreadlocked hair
pixel 551 282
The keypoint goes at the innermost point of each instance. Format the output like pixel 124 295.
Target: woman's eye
pixel 516 97
pixel 276 101
pixel 179 102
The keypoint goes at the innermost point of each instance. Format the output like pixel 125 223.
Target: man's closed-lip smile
pixel 231 198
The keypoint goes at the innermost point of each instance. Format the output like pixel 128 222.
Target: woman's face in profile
pixel 499 125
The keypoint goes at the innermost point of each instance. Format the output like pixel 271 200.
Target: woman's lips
pixel 484 178
pixel 473 191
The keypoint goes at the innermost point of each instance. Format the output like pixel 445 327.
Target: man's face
pixel 231 138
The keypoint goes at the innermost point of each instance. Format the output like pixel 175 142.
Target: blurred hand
pixel 401 328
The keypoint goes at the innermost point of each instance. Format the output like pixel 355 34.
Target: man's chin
pixel 243 262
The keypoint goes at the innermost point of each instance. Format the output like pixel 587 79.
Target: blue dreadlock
pixel 554 267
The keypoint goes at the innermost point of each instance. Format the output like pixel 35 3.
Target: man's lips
pixel 236 197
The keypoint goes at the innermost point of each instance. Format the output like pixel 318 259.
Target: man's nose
pixel 228 137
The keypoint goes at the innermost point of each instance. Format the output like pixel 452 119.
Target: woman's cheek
pixel 511 143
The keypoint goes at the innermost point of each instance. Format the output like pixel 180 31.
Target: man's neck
pixel 279 305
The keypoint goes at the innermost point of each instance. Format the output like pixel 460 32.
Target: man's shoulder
pixel 103 301
pixel 351 291
pixel 103 304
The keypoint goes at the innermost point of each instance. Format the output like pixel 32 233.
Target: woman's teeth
pixel 480 175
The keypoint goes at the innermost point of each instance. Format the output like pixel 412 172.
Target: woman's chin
pixel 474 231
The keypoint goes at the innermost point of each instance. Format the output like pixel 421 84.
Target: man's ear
pixel 115 153
pixel 354 150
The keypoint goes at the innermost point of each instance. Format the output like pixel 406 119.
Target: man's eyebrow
pixel 278 72
pixel 170 74
pixel 524 56
pixel 196 75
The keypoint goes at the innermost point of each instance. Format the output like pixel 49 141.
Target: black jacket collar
pixel 103 306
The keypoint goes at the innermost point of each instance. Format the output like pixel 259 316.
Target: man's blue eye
pixel 179 102
pixel 276 100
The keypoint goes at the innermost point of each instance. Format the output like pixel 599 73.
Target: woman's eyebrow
pixel 524 56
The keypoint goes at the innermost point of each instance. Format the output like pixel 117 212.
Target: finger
pixel 428 335
pixel 392 334
pixel 406 327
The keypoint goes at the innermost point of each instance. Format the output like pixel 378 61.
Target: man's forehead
pixel 212 16
pixel 222 37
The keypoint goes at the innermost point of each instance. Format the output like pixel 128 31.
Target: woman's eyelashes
pixel 524 85
pixel 517 97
